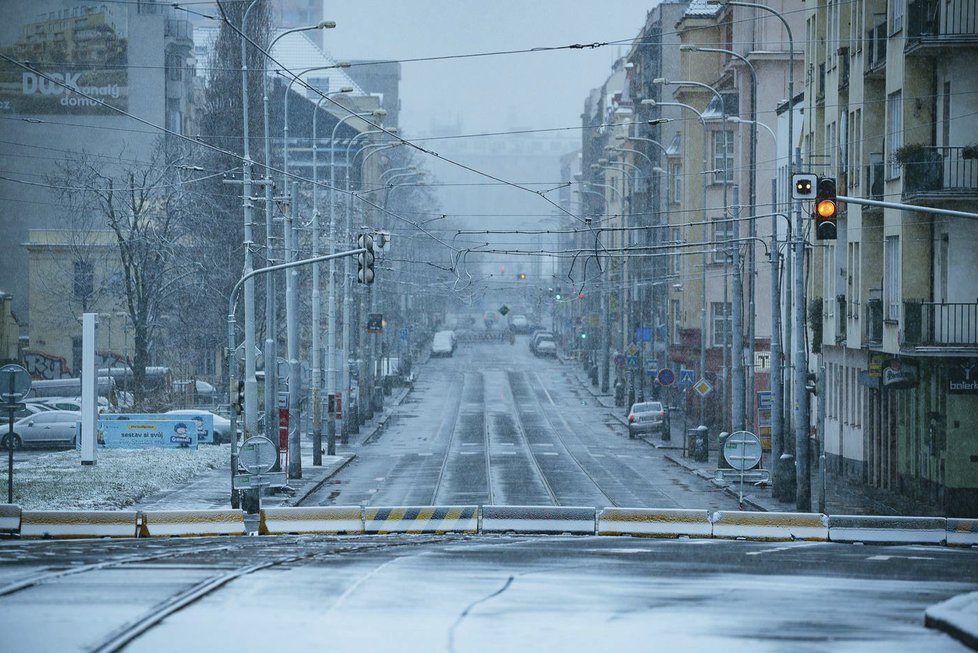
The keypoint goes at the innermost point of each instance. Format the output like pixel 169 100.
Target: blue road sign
pixel 686 376
pixel 404 332
pixel 619 360
pixel 666 376
pixel 632 361
pixel 652 372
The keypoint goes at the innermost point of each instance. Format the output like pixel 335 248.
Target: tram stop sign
pixel 15 383
pixel 742 450
pixel 258 455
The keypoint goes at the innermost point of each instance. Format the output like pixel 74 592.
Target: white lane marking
pixel 882 558
pixel 508 444
pixel 505 453
pixel 469 453
pixel 597 455
pixel 543 444
pixel 549 453
pixel 426 454
pixel 471 444
pixel 786 547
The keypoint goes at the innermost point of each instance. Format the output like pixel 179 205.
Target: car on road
pixel 541 337
pixel 443 343
pixel 647 417
pixel 519 323
pixel 51 428
pixel 222 425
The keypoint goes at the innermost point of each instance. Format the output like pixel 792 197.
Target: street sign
pixel 15 383
pixel 632 362
pixel 403 333
pixel 503 310
pixel 248 481
pixel 375 323
pixel 632 349
pixel 742 450
pixel 687 377
pixel 702 387
pixel 651 372
pixel 258 454
pixel 619 360
pixel 666 377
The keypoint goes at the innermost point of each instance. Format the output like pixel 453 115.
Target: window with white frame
pixel 723 159
pixel 676 173
pixel 677 320
pixel 722 233
pixel 896 15
pixel 891 278
pixel 894 130
pixel 676 260
pixel 720 319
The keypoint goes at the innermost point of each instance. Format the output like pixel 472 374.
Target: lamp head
pixel 649 102
pixel 688 47
pixel 660 80
pixel 326 24
pixel 345 89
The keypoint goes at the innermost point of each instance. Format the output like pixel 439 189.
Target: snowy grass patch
pixel 121 477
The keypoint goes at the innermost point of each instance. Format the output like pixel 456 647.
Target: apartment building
pixel 891 114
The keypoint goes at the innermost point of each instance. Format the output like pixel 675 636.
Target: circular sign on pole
pixel 239 353
pixel 15 383
pixel 742 450
pixel 666 377
pixel 258 454
pixel 619 360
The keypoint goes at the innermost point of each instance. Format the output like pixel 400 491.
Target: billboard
pixel 74 55
pixel 146 434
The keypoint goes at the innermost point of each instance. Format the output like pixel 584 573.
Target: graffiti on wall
pixel 43 366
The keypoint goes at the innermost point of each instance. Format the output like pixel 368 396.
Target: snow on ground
pixel 120 477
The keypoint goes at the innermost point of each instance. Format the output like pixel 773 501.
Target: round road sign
pixel 15 383
pixel 666 377
pixel 742 450
pixel 258 454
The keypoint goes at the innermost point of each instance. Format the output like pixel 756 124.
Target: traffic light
pixel 237 401
pixel 521 276
pixel 826 209
pixel 365 260
pixel 803 186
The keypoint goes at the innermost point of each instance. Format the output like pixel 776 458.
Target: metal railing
pixel 940 21
pixel 931 324
pixel 875 176
pixel 943 171
pixel 874 321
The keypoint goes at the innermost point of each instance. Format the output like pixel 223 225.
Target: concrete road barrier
pixel 655 523
pixel 887 530
pixel 771 526
pixel 962 532
pixel 553 520
pixel 178 523
pixel 421 519
pixel 78 523
pixel 325 520
pixel 9 518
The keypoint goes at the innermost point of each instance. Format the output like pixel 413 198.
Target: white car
pixel 519 323
pixel 48 428
pixel 443 343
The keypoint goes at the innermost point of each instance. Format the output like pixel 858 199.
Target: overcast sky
pixel 535 90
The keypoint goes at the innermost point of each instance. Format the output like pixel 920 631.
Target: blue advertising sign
pixel 146 434
pixel 203 424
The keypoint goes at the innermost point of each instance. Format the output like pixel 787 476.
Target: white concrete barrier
pixel 9 518
pixel 665 522
pixel 553 520
pixel 421 519
pixel 177 523
pixel 771 526
pixel 79 523
pixel 962 532
pixel 326 520
pixel 887 530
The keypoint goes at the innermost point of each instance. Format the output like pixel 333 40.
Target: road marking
pixel 549 453
pixel 426 454
pixel 597 455
pixel 469 453
pixel 508 444
pixel 471 444
pixel 543 444
pixel 787 547
pixel 882 558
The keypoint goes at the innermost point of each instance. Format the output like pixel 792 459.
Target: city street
pixel 495 425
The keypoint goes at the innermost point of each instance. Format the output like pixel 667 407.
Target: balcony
pixel 929 324
pixel 941 173
pixel 940 24
pixel 875 51
pixel 874 322
pixel 875 176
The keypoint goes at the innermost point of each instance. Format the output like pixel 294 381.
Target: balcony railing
pixel 875 176
pixel 876 48
pixel 874 321
pixel 944 172
pixel 941 22
pixel 929 324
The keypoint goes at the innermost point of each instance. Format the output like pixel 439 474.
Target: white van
pixel 443 344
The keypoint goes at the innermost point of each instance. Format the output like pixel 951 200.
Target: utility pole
pixel 803 490
pixel 737 325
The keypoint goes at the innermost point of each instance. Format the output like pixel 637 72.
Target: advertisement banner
pixel 203 425
pixel 146 434
pixel 78 54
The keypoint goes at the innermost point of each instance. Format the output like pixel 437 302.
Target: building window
pixel 676 260
pixel 677 318
pixel 676 172
pixel 720 317
pixel 894 130
pixel 892 278
pixel 84 280
pixel 723 156
pixel 896 16
pixel 722 233
pixel 174 67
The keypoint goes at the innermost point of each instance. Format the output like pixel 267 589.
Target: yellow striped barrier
pixel 962 532
pixel 9 518
pixel 326 520
pixel 421 519
pixel 655 522
pixel 771 526
pixel 78 524
pixel 180 523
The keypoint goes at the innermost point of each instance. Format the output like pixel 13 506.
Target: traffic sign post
pixel 15 383
pixel 742 451
pixel 258 455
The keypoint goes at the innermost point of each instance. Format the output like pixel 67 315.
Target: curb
pixel 318 484
pixel 953 616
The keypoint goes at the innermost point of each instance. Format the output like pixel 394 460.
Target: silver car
pixel 55 428
pixel 647 417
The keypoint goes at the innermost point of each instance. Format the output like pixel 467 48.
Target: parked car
pixel 647 417
pixel 519 323
pixel 26 410
pixel 48 428
pixel 546 347
pixel 539 337
pixel 222 425
pixel 443 343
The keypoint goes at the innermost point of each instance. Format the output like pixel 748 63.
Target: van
pixel 443 343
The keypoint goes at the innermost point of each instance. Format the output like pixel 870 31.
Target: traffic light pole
pixel 232 361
